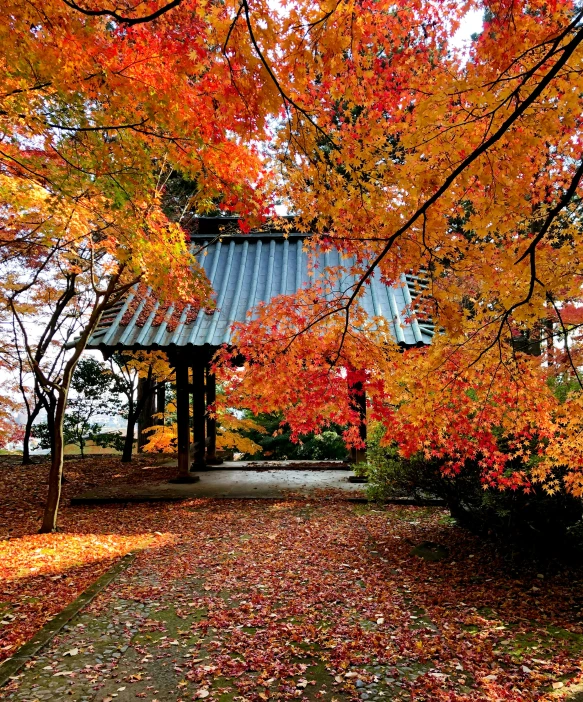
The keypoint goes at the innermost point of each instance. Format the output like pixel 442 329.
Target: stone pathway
pixel 149 650
pixel 153 649
pixel 322 601
pixel 190 623
pixel 250 601
pixel 253 483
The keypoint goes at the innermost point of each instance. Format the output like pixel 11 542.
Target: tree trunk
pixel 26 459
pixel 49 524
pixel 143 405
pixel 50 408
pixel 128 446
pixel 104 300
pixel 359 403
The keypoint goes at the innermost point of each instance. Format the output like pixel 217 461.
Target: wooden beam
pixel 211 422
pixel 198 415
pixel 182 419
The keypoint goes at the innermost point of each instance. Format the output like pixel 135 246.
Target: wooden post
pixel 211 422
pixel 359 401
pixel 198 414
pixel 145 419
pixel 182 419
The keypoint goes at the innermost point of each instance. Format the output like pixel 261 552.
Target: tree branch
pixel 129 21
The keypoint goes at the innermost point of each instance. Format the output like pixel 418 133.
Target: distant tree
pixel 82 169
pixel 138 377
pixel 94 396
pixel 39 334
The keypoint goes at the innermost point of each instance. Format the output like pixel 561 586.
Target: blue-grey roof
pixel 245 270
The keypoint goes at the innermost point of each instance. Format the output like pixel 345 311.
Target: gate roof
pixel 245 270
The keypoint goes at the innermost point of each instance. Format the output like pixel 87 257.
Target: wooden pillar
pixel 145 420
pixel 198 415
pixel 359 402
pixel 211 422
pixel 182 419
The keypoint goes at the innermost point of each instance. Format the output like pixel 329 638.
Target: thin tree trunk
pixel 50 407
pixel 145 397
pixel 128 446
pixel 108 298
pixel 49 523
pixel 26 459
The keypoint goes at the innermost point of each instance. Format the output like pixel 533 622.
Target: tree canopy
pixel 460 166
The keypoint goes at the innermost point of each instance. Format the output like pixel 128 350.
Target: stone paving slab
pixel 279 465
pixel 241 484
pixel 10 667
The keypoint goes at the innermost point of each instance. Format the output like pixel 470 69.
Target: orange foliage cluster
pixel 406 153
pixel 463 167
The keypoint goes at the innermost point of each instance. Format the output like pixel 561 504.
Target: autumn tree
pixel 47 332
pixel 93 396
pixel 461 168
pixel 89 128
pixel 127 370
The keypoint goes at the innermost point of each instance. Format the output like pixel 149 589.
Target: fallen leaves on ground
pixel 320 598
pixel 40 574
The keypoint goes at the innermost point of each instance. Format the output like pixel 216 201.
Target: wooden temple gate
pixel 244 270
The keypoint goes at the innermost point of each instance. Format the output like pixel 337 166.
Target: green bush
pixel 276 443
pixel 534 521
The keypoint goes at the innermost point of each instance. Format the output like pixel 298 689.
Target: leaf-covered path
pixel 241 600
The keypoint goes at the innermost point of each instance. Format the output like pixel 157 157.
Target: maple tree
pixel 403 152
pixel 462 168
pixel 232 429
pixel 87 143
pixel 127 370
pixel 54 323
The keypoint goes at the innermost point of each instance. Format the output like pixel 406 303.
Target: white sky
pixel 471 24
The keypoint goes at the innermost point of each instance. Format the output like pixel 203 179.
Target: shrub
pixel 535 520
pixel 276 443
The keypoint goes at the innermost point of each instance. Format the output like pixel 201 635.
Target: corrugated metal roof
pixel 245 270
